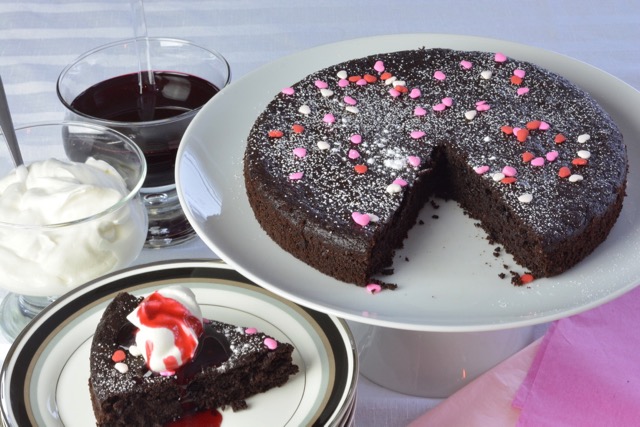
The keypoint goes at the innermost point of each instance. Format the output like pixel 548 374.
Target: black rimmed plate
pixel 45 374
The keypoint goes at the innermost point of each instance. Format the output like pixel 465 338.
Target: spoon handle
pixel 7 128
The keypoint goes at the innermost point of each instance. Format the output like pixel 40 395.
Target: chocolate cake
pixel 230 364
pixel 338 166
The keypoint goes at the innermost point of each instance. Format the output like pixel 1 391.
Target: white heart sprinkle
pixel 498 176
pixel 399 83
pixel 304 109
pixel 575 178
pixel 394 188
pixel 342 74
pixel 390 80
pixel 326 92
pixel 525 198
pixel 134 351
pixel 584 154
pixel 584 138
pixel 352 109
pixel 323 145
pixel 470 115
pixel 486 74
pixel 123 368
pixel 374 218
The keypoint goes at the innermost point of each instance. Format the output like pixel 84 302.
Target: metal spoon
pixel 7 128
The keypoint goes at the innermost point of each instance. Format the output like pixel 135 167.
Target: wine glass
pixel 149 89
pixel 54 237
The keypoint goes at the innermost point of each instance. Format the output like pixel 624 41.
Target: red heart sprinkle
pixel 507 129
pixel 516 80
pixel 508 180
pixel 533 124
pixel 522 135
pixel 354 79
pixel 361 168
pixel 526 278
pixel 564 172
pixel 297 128
pixel 370 78
pixel 118 356
pixel 386 75
pixel 275 134
pixel 578 161
pixel 559 138
pixel 527 156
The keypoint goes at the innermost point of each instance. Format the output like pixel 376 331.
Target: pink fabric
pixel 486 401
pixel 584 372
pixel 587 370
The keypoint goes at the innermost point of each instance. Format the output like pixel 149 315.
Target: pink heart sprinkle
pixel 415 93
pixel 288 91
pixel 522 90
pixel 439 107
pixel 447 101
pixel 544 126
pixel 480 102
pixel 321 84
pixel 401 182
pixel 343 82
pixel 466 64
pixel 538 161
pixel 360 218
pixel 296 175
pixel 481 170
pixel 349 100
pixel 439 75
pixel 516 130
pixel 500 57
pixel 483 107
pixel 519 73
pixel 379 66
pixel 361 82
pixel 300 151
pixel 419 111
pixel 416 134
pixel 551 156
pixel 509 171
pixel 414 161
pixel 356 139
pixel 373 288
pixel 328 118
pixel 271 343
pixel 394 92
pixel 250 331
pixel 353 154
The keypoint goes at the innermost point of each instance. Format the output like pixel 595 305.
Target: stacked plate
pixel 44 377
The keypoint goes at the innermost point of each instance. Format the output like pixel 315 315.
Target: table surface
pixel 39 37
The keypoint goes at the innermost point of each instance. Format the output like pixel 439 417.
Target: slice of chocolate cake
pixel 170 363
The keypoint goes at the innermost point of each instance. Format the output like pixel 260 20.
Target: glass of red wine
pixel 148 89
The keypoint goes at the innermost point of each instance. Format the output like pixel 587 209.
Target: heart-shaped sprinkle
pixel 397 83
pixel 533 124
pixel 417 134
pixel 304 109
pixel 275 133
pixel 500 57
pixel 447 101
pixel 393 188
pixel 118 356
pixel 578 161
pixel 507 129
pixel 551 156
pixel 326 92
pixel 349 100
pixel 439 75
pixel 401 182
pixel 373 288
pixel 564 172
pixel 300 152
pixel 385 76
pixel 544 126
pixel 328 118
pixel 353 154
pixel 525 198
pixel 356 138
pixel 352 109
pixel 439 107
pixel 499 176
pixel 394 92
pixel 390 80
pixel 527 156
pixel 576 178
pixel 251 331
pixel 519 73
pixel 415 93
pixel 466 64
pixel 522 134
pixel 321 84
pixel 270 343
pixel 419 111
pixel 584 154
pixel 362 82
pixel 297 128
pixel 343 83
pixel 370 78
pixel 323 145
pixel 516 80
pixel 509 171
pixel 414 161
pixel 538 161
pixel 584 138
pixel 360 218
pixel 559 138
pixel 481 170
pixel 470 115
pixel 360 168
pixel 296 175
pixel 483 107
pixel 522 90
pixel 342 74
pixel 288 91
pixel 379 66
pixel 508 180
pixel 486 74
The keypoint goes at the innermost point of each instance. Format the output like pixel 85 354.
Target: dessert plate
pixel 44 377
pixel 448 276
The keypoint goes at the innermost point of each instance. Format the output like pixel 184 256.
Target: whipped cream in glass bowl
pixel 71 214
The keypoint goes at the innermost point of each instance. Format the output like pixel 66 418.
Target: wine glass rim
pixel 158 122
pixel 123 201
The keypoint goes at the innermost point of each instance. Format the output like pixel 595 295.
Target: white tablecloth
pixel 39 37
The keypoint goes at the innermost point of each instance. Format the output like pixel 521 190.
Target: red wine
pixel 137 112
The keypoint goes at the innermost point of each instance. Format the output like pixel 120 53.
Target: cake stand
pixel 452 316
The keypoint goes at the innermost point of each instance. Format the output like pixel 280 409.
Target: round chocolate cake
pixel 338 166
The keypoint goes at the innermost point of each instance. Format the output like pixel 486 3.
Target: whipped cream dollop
pixel 48 261
pixel 169 323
